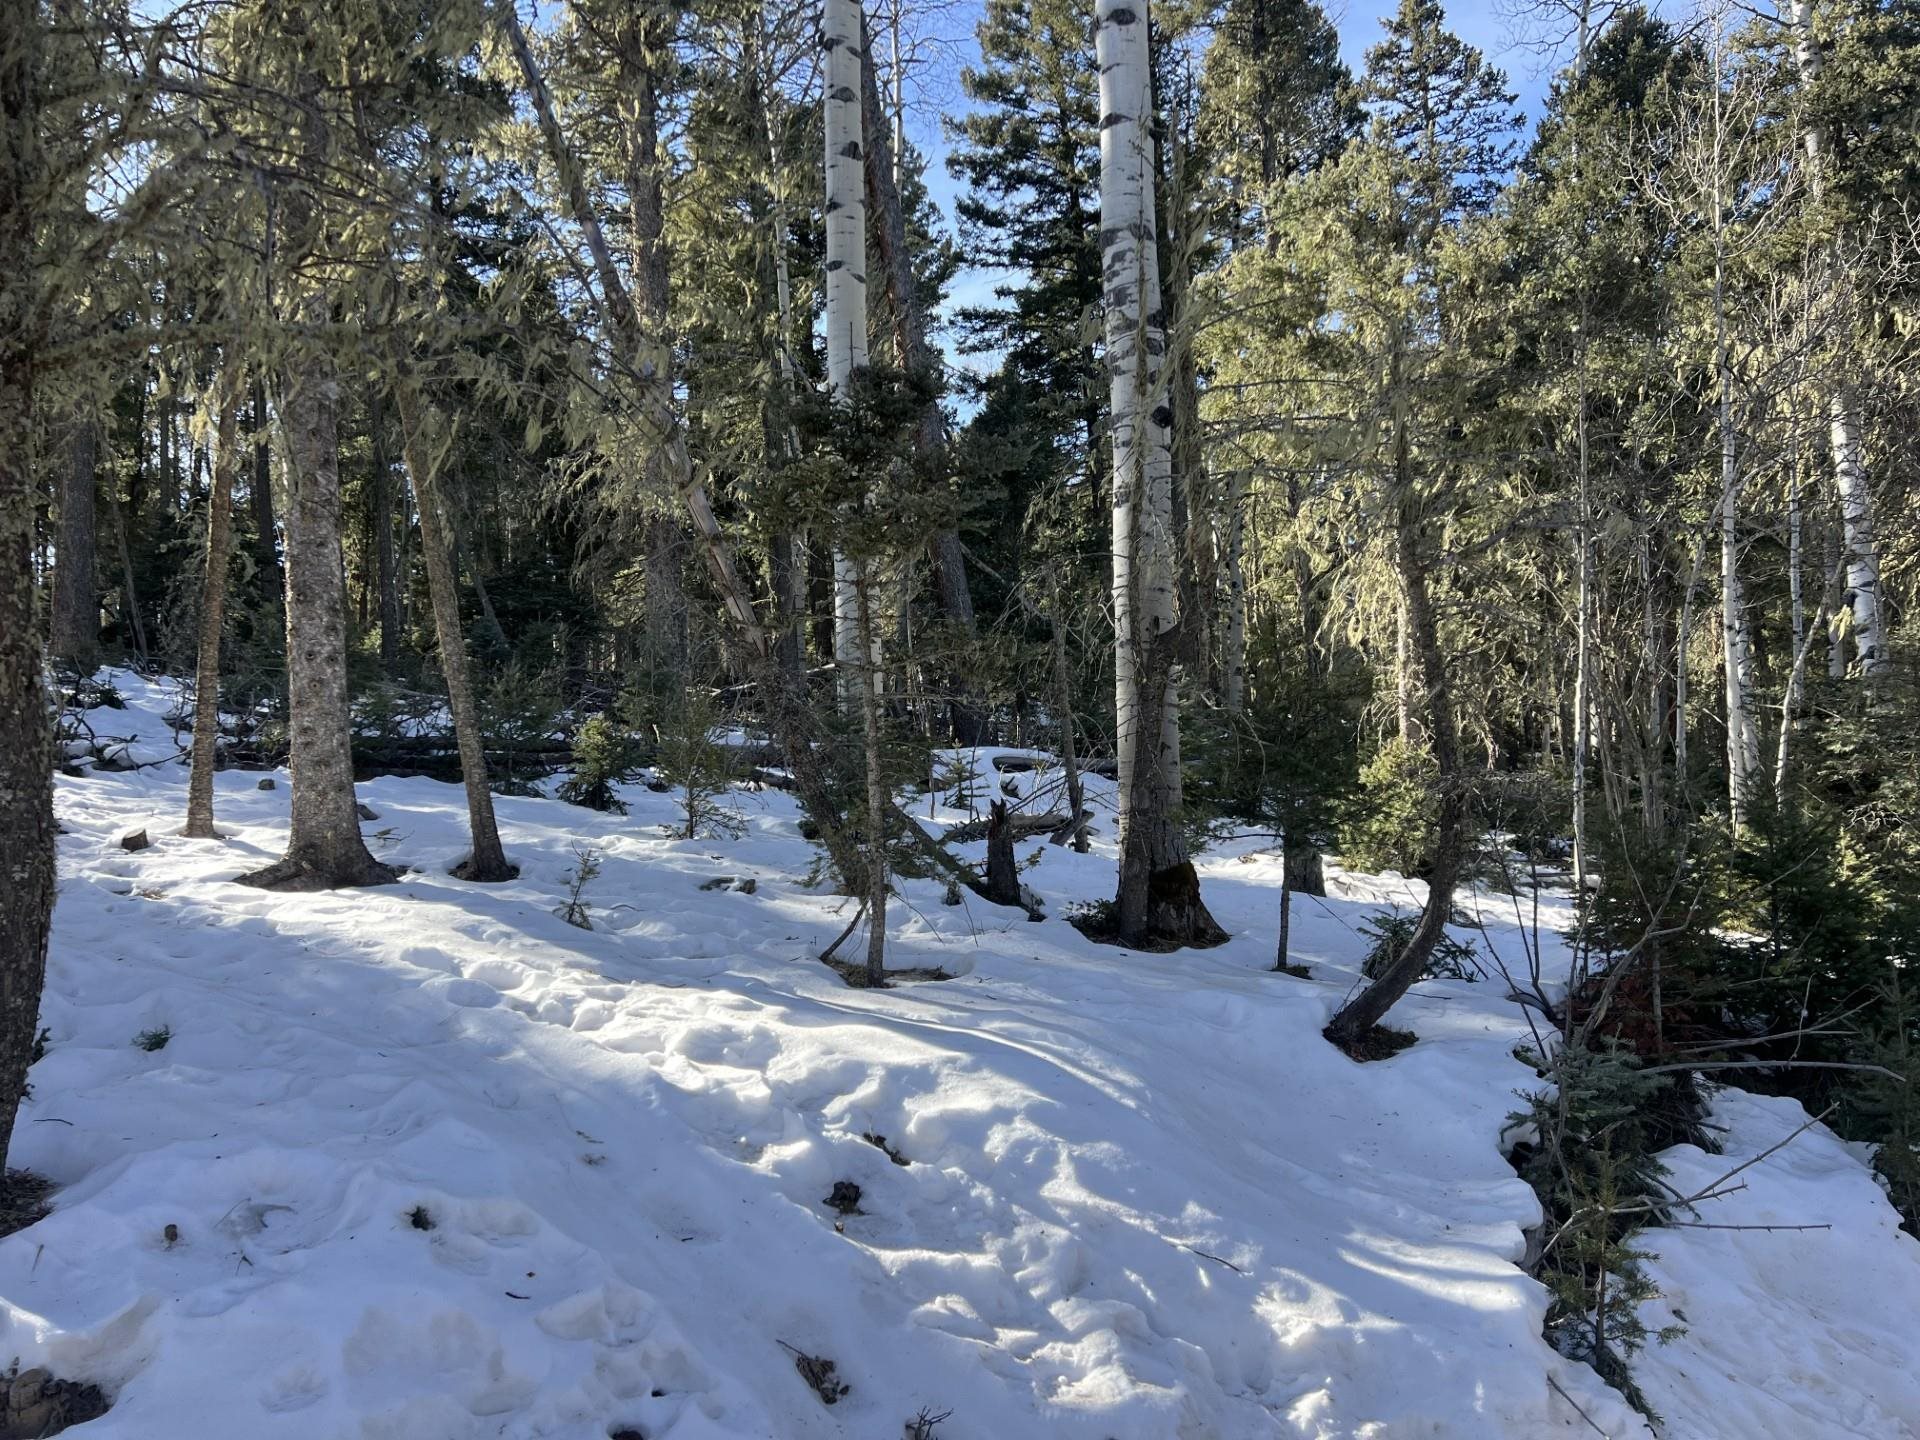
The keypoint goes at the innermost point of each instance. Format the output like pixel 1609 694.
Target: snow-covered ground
pixel 1142 1198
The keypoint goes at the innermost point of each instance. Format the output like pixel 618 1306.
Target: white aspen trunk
pixel 846 226
pixel 1743 740
pixel 1652 728
pixel 1836 627
pixel 1158 891
pixel 1583 534
pixel 1849 464
pixel 1583 625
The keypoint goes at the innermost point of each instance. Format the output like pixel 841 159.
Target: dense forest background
pixel 455 390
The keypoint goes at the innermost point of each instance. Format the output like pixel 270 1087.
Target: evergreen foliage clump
pixel 695 762
pixel 1598 1126
pixel 604 756
pixel 520 712
pixel 1390 825
pixel 1391 930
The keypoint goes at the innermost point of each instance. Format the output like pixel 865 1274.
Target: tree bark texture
pixel 1158 898
pixel 1353 1021
pixel 324 848
pixel 842 31
pixel 213 609
pixel 1850 479
pixel 487 862
pixel 76 600
pixel 26 728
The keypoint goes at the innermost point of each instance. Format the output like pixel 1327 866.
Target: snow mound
pixel 427 1163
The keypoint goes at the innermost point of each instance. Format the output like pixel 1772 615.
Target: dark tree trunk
pixel 787 561
pixel 879 805
pixel 1003 874
pixel 130 597
pixel 1063 708
pixel 667 639
pixel 76 601
pixel 213 600
pixel 1360 1014
pixel 487 862
pixel 1302 868
pixel 645 44
pixel 388 572
pixel 1283 944
pixel 266 548
pixel 26 729
pixel 324 848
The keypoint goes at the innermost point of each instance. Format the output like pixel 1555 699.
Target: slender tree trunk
pixel 1158 895
pixel 1682 648
pixel 842 32
pixel 213 607
pixel 1284 940
pixel 1233 660
pixel 266 545
pixel 1063 707
pixel 487 862
pixel 324 848
pixel 877 800
pixel 1843 403
pixel 790 559
pixel 136 626
pixel 1406 683
pixel 387 572
pixel 1583 600
pixel 26 725
pixel 645 42
pixel 76 601
pixel 1353 1021
pixel 1743 739
pixel 915 356
pixel 785 700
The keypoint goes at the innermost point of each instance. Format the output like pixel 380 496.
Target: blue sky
pixel 1480 24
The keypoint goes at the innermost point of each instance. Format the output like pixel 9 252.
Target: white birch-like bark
pixel 1849 463
pixel 1743 739
pixel 1583 533
pixel 1158 892
pixel 846 225
pixel 1143 593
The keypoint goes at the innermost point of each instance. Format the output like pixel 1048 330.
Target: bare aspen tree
pixel 1743 737
pixel 1845 442
pixel 841 35
pixel 1159 891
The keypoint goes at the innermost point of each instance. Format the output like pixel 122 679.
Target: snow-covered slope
pixel 1142 1198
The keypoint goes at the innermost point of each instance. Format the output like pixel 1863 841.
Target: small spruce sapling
pixel 603 757
pixel 585 870
pixel 1391 931
pixel 701 769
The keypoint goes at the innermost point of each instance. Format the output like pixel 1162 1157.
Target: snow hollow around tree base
pixel 1121 1196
